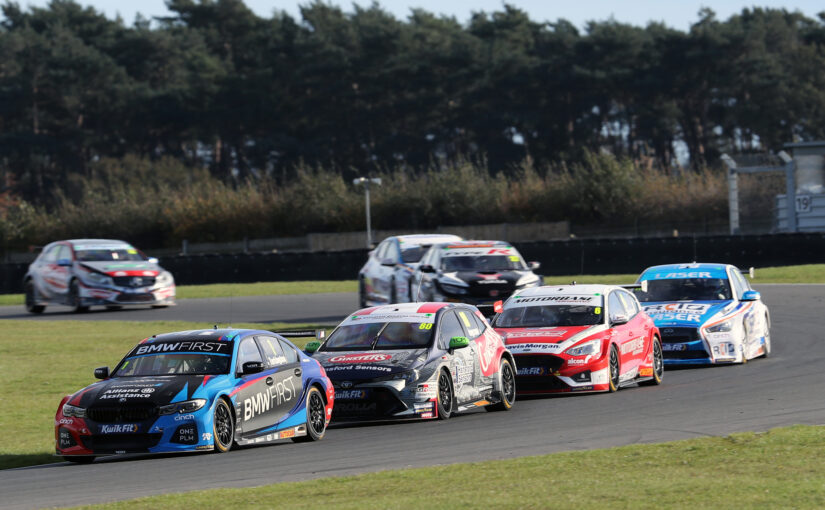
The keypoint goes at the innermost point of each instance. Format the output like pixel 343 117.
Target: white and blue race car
pixel 706 313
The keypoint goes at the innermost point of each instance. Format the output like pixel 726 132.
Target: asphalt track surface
pixel 784 389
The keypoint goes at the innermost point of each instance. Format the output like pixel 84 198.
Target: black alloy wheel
pixel 316 417
pixel 31 299
pixel 223 427
pixel 74 298
pixel 658 365
pixel 614 369
pixel 445 396
pixel 507 387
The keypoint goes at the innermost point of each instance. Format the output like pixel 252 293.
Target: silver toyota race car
pixel 83 272
pixel 416 360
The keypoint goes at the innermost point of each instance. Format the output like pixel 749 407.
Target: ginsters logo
pixel 360 358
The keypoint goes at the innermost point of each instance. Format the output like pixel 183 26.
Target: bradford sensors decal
pixel 685 312
pixel 262 401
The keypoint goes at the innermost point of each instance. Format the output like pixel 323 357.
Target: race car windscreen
pixel 101 254
pixel 481 263
pixel 549 316
pixel 685 289
pixel 380 335
pixel 174 364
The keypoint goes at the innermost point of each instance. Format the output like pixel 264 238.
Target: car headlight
pixel 453 289
pixel 722 327
pixel 96 278
pixel 593 347
pixel 165 278
pixel 528 280
pixel 186 406
pixel 74 411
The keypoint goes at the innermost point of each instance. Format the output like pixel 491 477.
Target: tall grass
pixel 159 203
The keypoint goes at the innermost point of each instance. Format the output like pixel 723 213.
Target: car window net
pixel 549 316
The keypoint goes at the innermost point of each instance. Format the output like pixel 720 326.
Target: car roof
pixel 401 312
pixel 562 294
pixel 419 239
pixel 686 270
pixel 106 242
pixel 224 334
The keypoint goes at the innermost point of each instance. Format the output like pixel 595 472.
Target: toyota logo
pixel 346 384
pixel 668 330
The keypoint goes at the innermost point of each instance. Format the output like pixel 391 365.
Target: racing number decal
pixel 426 325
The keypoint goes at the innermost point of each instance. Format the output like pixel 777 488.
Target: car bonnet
pixel 156 390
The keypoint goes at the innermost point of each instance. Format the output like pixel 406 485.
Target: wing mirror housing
pixel 64 262
pixel 459 342
pixel 426 268
pixel 751 295
pixel 101 372
pixel 152 260
pixel 312 346
pixel 252 367
pixel 619 319
pixel 534 265
pixel 388 262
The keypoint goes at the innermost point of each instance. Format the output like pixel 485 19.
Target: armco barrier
pixel 569 257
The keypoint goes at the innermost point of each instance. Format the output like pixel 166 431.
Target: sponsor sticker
pixel 635 346
pixel 646 372
pixel 530 371
pixel 360 358
pixel 119 428
pixel 350 394
pixel 287 434
pixel 674 347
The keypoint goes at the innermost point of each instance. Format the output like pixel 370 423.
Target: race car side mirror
pixel 152 260
pixel 64 262
pixel 101 372
pixel 534 265
pixel 388 262
pixel 619 319
pixel 252 367
pixel 750 295
pixel 427 269
pixel 459 342
pixel 311 347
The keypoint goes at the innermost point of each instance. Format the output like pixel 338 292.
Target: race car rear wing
pixel 310 347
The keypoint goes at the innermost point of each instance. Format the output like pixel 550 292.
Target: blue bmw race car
pixel 197 390
pixel 706 313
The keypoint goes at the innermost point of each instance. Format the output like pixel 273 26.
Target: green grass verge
pixel 42 361
pixel 811 273
pixel 782 468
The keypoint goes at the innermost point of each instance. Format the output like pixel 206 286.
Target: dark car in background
pixel 474 272
pixel 85 272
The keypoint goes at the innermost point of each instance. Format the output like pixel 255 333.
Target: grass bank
pixel 42 361
pixel 781 468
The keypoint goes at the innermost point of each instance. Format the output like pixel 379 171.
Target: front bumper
pixel 687 347
pixel 126 296
pixel 548 374
pixel 384 400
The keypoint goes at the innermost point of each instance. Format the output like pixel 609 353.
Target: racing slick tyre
pixel 316 420
pixel 658 365
pixel 223 426
pixel 613 369
pixel 362 293
pixel 31 299
pixel 445 397
pixel 507 387
pixel 74 298
pixel 79 459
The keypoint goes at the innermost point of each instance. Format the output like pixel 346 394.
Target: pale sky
pixel 675 13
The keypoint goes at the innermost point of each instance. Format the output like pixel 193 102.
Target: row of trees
pixel 216 86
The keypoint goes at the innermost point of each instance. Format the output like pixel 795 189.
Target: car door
pixel 254 399
pixel 385 271
pixel 284 377
pixel 64 271
pixel 753 319
pixel 623 336
pixel 638 329
pixel 463 362
pixel 426 280
pixel 51 282
pixel 376 283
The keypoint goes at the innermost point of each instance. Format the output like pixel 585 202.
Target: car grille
pixel 121 442
pixel 486 290
pixel 135 298
pixel 679 335
pixel 685 354
pixel 134 281
pixel 121 414
pixel 540 383
pixel 546 361
pixel 382 403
